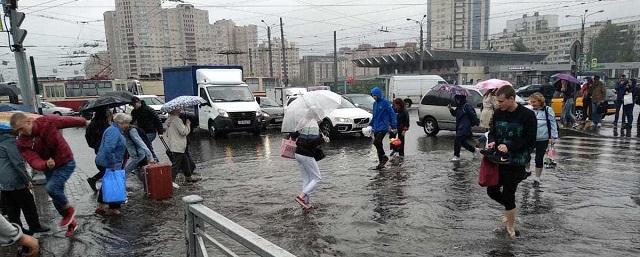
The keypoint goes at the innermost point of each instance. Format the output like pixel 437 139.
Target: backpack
pixel 141 134
pixel 473 117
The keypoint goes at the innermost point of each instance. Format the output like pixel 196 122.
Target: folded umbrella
pixel 182 102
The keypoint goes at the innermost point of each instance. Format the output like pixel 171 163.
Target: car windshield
pixel 266 102
pixel 364 100
pixel 230 94
pixel 345 104
pixel 49 105
pixel 152 100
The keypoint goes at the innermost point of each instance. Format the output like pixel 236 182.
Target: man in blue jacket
pixel 383 120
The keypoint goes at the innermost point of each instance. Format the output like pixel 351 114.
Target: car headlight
pixel 223 113
pixel 266 115
pixel 259 113
pixel 343 120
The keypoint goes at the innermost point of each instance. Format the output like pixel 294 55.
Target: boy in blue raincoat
pixel 384 120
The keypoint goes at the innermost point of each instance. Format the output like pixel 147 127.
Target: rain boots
pixel 511 222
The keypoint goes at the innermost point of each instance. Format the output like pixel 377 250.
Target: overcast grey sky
pixel 57 28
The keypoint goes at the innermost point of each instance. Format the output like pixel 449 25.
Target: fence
pixel 198 215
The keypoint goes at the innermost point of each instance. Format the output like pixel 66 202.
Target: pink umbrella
pixel 492 84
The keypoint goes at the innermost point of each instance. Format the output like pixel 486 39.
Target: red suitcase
pixel 158 181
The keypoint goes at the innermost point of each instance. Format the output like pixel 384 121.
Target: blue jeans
pixel 595 113
pixel 567 112
pixel 151 137
pixel 55 185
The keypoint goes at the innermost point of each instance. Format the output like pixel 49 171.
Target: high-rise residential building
pixel 142 38
pixel 292 53
pixel 532 24
pixel 458 24
pixel 316 69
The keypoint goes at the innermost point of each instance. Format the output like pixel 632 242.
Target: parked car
pixel 273 113
pixel 49 108
pixel 347 119
pixel 558 103
pixel 434 116
pixel 362 101
pixel 153 101
pixel 528 90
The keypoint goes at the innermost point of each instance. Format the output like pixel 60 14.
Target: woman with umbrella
pixel 176 134
pixel 301 121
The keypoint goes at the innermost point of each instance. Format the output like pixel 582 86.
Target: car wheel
pixel 579 114
pixel 326 128
pixel 408 103
pixel 57 113
pixel 430 126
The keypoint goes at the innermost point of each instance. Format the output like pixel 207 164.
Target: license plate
pixel 244 122
pixel 278 120
pixel 361 125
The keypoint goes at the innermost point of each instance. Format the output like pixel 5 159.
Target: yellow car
pixel 558 103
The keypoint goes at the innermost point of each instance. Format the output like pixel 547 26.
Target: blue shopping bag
pixel 114 188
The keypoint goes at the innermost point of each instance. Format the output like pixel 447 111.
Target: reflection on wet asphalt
pixel 429 206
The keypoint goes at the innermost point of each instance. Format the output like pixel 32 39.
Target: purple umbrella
pixel 567 77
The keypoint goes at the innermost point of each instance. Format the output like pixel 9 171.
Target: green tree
pixel 519 46
pixel 614 44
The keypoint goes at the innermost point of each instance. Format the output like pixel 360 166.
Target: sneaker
pixel 455 159
pixel 40 229
pixel 71 228
pixel 100 211
pixel 92 184
pixel 536 183
pixel 192 179
pixel 384 161
pixel 527 174
pixel 175 186
pixel 69 216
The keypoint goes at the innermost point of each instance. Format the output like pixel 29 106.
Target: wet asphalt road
pixel 588 205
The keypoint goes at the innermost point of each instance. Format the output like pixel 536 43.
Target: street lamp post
pixel 421 23
pixel 270 52
pixel 583 17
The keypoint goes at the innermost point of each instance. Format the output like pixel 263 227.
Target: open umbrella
pixel 486 85
pixel 310 107
pixel 182 102
pixel 447 91
pixel 567 77
pixel 122 94
pixel 105 101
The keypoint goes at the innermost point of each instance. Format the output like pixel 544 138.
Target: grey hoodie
pixel 9 233
pixel 13 172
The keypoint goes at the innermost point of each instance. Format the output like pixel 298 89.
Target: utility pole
pixel 35 83
pixel 421 23
pixel 22 66
pixel 583 17
pixel 335 58
pixel 285 75
pixel 250 63
pixel 270 51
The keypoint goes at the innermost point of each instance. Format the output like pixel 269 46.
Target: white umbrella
pixel 310 107
pixel 182 102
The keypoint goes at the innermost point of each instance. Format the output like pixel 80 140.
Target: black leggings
pixel 508 181
pixel 541 149
pixel 377 142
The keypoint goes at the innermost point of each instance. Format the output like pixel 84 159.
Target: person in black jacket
pixel 308 140
pixel 147 119
pixel 93 134
pixel 513 132
pixel 403 123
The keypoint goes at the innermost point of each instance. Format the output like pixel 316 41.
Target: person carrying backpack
pixel 466 118
pixel 547 132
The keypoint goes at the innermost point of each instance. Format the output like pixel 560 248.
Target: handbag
pixel 318 154
pixel 628 99
pixel 114 186
pixel 488 175
pixel 288 148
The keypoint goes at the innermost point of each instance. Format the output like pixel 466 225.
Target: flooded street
pixel 429 206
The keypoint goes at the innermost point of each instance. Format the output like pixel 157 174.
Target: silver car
pixel 49 108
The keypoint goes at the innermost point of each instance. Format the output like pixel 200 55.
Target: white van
pixel 230 106
pixel 412 88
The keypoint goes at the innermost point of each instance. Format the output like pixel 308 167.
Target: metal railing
pixel 198 215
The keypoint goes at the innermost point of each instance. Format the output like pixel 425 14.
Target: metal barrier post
pixel 190 224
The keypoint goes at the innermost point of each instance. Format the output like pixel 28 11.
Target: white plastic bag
pixel 368 131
